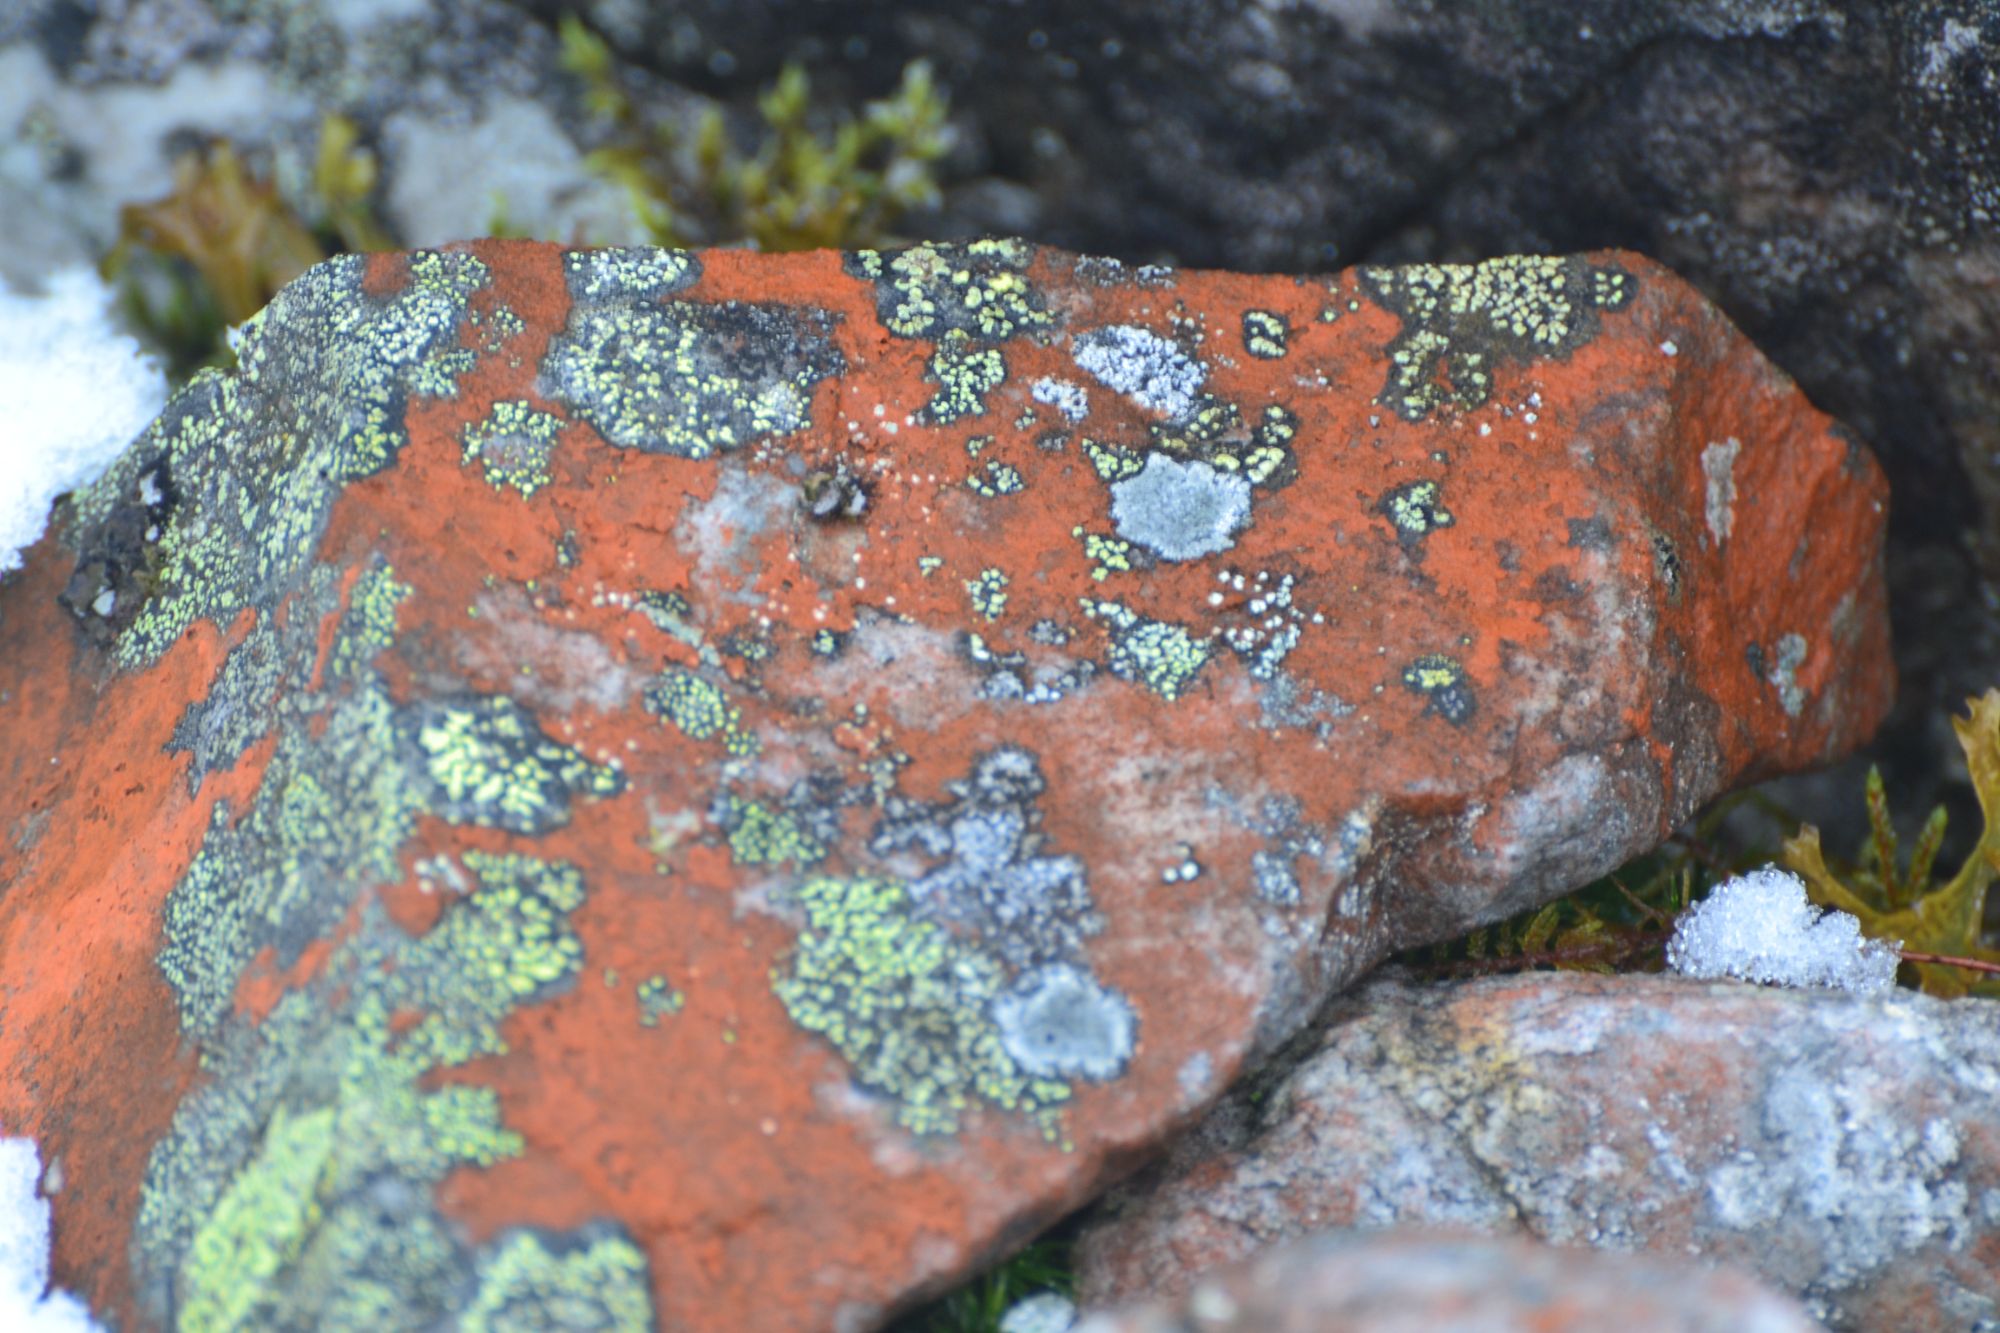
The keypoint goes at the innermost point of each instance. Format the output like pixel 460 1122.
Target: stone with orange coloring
pixel 578 788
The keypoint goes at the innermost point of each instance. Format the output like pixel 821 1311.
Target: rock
pixel 1828 171
pixel 741 786
pixel 1417 1282
pixel 1844 1149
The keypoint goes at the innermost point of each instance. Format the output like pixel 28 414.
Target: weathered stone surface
pixel 1828 171
pixel 739 786
pixel 1845 1149
pixel 1421 1282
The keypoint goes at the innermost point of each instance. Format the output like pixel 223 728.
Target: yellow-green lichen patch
pixel 967 984
pixel 688 379
pixel 1460 321
pixel 699 710
pixel 979 290
pixel 593 1281
pixel 1441 680
pixel 964 375
pixel 988 593
pixel 996 479
pixel 484 761
pixel 906 1005
pixel 220 504
pixel 1112 462
pixel 294 1188
pixel 512 443
pixel 1109 555
pixel 1162 656
pixel 241 706
pixel 1265 334
pixel 625 272
pixel 658 1000
pixel 760 835
pixel 1415 510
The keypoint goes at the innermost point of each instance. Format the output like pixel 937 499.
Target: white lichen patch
pixel 1065 396
pixel 1718 469
pixel 1148 369
pixel 1058 1022
pixel 1180 510
pixel 1784 674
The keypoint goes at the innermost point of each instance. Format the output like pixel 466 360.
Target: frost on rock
pixel 1761 927
pixel 78 390
pixel 26 1303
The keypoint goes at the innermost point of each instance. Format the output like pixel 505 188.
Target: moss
pixel 1462 321
pixel 512 442
pixel 802 188
pixel 690 380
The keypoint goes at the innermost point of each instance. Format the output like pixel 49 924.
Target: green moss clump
pixel 813 181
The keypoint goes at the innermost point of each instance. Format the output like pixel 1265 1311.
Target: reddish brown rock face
pixel 586 785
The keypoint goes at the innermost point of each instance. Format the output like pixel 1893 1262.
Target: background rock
pixel 1844 1149
pixel 1424 1282
pixel 735 787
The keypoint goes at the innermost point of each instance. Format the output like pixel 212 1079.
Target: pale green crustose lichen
pixel 512 444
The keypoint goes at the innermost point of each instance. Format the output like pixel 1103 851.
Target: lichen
pixel 967 985
pixel 688 379
pixel 1265 334
pixel 979 290
pixel 586 1282
pixel 965 375
pixel 699 710
pixel 1147 368
pixel 1442 681
pixel 1462 321
pixel 219 506
pixel 1180 510
pixel 512 443
pixel 1160 655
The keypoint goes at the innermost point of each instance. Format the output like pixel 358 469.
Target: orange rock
pixel 584 784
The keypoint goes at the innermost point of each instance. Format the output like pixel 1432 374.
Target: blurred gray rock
pixel 1424 1282
pixel 1846 1150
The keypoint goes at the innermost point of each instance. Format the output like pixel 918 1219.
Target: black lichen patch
pixel 1462 321
pixel 688 379
pixel 1441 680
pixel 1590 534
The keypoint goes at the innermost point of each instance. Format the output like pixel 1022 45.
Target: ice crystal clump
pixel 1761 927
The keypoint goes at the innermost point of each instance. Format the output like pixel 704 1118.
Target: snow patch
pixel 1761 927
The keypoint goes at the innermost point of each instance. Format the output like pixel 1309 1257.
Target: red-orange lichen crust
pixel 1527 609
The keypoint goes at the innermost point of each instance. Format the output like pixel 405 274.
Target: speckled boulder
pixel 1845 1149
pixel 583 786
pixel 1423 1282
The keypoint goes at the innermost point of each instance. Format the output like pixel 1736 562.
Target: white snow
pixel 76 389
pixel 26 1303
pixel 1762 927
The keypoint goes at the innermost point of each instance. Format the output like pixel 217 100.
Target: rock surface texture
pixel 1844 1149
pixel 1418 1282
pixel 578 786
